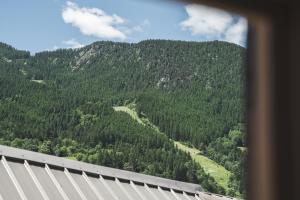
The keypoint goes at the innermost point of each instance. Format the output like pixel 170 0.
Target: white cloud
pixel 203 20
pixel 54 48
pixel 93 21
pixel 141 27
pixel 212 23
pixel 72 43
pixel 131 30
pixel 66 44
pixel 236 33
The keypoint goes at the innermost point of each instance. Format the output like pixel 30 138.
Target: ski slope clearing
pixel 218 172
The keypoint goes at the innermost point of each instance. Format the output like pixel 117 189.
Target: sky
pixel 38 25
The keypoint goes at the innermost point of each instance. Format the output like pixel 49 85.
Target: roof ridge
pixel 55 161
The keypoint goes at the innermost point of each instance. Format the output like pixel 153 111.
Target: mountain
pixel 61 102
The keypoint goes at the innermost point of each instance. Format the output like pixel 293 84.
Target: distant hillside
pixel 61 103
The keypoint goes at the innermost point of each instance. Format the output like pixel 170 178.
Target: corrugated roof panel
pixel 85 188
pixel 143 191
pixel 190 197
pixel 7 188
pixel 130 190
pixel 101 188
pixel 179 195
pixel 115 188
pixel 46 182
pixel 66 184
pixel 25 180
pixel 156 192
pixel 168 194
pixel 26 175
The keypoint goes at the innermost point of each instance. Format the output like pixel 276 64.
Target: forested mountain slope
pixel 61 103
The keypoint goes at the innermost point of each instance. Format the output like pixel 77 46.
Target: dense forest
pixel 61 103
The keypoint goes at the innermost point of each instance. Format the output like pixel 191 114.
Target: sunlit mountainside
pixel 166 108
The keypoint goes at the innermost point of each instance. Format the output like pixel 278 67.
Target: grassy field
pixel 218 172
pixel 39 81
pixel 129 111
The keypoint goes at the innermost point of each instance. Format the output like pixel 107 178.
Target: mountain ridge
pixel 192 91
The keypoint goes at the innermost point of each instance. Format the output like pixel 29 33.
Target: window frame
pixel 273 74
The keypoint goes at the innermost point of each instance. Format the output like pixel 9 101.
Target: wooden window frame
pixel 273 95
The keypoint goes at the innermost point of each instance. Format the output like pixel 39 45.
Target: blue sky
pixel 38 25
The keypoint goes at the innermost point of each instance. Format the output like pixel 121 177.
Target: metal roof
pixel 26 175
